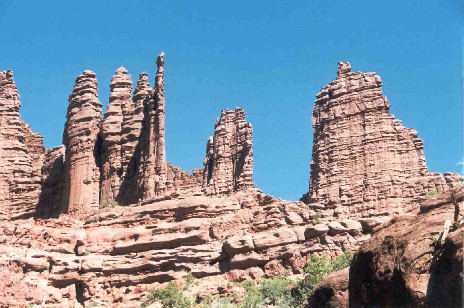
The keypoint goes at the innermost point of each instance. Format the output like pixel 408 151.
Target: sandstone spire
pixel 133 118
pixel 111 133
pixel 21 154
pixel 229 154
pixel 153 172
pixel 82 141
pixel 364 162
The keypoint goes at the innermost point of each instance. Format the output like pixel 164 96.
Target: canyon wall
pixel 364 162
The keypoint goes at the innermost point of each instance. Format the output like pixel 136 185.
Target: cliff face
pixel 364 162
pixel 82 141
pixel 229 154
pixel 21 154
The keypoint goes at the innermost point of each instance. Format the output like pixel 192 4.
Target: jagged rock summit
pixel 364 162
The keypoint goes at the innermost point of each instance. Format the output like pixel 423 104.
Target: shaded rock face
pixel 332 291
pixel 53 183
pixel 229 154
pixel 364 162
pixel 21 156
pixel 403 266
pixel 82 141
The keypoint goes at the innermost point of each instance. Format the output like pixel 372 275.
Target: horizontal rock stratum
pixel 105 217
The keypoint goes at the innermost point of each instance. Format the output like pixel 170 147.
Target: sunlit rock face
pixel 82 141
pixel 21 155
pixel 364 161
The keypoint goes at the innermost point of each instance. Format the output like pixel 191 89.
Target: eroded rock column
pixel 228 165
pixel 153 170
pixel 21 152
pixel 111 134
pixel 82 142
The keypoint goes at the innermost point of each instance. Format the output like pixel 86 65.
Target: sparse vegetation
pixel 317 218
pixel 108 204
pixel 94 304
pixel 169 297
pixel 279 291
pixel 432 193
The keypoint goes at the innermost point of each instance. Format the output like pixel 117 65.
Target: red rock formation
pixel 404 264
pixel 111 134
pixel 153 169
pixel 182 182
pixel 229 155
pixel 21 152
pixel 364 161
pixel 81 139
pixel 132 140
pixel 53 183
pixel 332 291
pixel 114 256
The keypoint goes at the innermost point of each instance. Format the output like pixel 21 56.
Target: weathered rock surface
pixel 153 167
pixel 332 291
pixel 21 155
pixel 129 192
pixel 229 154
pixel 82 141
pixel 115 255
pixel 364 162
pixel 403 266
pixel 111 134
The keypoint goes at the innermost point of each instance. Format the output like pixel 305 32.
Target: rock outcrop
pixel 82 141
pixel 229 154
pixel 116 114
pixel 114 256
pixel 153 167
pixel 21 155
pixel 409 262
pixel 364 162
pixel 332 291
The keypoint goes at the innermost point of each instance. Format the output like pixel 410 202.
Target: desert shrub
pixel 225 302
pixel 276 289
pixel 316 269
pixel 431 193
pixel 189 279
pixel 108 204
pixel 317 218
pixel 169 297
pixel 253 297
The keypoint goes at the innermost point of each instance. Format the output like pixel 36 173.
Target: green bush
pixel 108 204
pixel 169 297
pixel 276 289
pixel 316 269
pixel 431 193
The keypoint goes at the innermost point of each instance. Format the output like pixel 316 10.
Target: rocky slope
pixel 364 162
pixel 116 254
pixel 407 263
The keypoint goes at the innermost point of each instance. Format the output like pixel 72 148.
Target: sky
pixel 269 57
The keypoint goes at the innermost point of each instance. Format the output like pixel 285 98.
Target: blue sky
pixel 269 57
